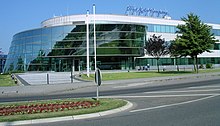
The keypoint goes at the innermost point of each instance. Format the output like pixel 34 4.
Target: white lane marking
pixel 182 91
pixel 161 96
pixel 204 87
pixel 132 85
pixel 176 104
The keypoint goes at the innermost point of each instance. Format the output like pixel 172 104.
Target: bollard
pixel 47 78
pixel 16 81
pixel 71 76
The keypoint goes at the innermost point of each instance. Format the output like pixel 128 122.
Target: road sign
pixel 98 81
pixel 98 77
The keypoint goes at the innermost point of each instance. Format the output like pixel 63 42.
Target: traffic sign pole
pixel 97 93
pixel 98 81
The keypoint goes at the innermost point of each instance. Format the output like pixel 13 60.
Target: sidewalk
pixel 54 88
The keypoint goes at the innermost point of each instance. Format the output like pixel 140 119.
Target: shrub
pixel 208 65
pixel 45 108
pixel 201 66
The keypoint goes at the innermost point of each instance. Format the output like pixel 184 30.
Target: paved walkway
pixel 45 78
pixel 54 88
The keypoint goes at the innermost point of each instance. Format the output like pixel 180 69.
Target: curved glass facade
pixel 59 48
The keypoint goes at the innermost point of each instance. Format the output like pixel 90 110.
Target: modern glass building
pixel 61 43
pixel 2 62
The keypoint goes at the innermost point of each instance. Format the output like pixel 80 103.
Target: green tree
pixel 174 52
pixel 157 47
pixel 194 38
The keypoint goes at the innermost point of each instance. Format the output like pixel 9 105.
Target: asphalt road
pixel 203 113
pixel 187 104
pixel 111 90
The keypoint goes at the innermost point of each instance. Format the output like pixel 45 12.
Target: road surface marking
pixel 204 87
pixel 182 91
pixel 162 96
pixel 176 104
pixel 132 85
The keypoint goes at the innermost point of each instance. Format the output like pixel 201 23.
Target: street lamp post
pixel 94 35
pixel 87 42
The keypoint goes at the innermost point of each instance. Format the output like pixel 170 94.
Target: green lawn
pixel 5 80
pixel 144 74
pixel 104 104
pixel 209 70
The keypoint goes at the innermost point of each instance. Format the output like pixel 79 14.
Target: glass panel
pixel 172 29
pixel 163 29
pixel 167 29
pixel 158 28
pixel 217 46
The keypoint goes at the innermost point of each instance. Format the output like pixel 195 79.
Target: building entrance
pixel 66 64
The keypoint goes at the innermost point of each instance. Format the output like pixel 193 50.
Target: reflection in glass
pixel 54 48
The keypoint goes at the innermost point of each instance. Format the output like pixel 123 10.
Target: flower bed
pixel 45 108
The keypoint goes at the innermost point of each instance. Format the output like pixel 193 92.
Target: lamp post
pixel 94 36
pixel 87 42
pixel 2 60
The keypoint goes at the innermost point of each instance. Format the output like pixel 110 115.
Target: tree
pixel 157 47
pixel 194 38
pixel 175 52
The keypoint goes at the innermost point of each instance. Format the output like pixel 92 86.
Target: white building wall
pixel 67 20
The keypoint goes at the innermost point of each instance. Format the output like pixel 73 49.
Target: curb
pixel 69 118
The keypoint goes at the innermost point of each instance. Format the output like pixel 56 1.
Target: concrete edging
pixel 69 118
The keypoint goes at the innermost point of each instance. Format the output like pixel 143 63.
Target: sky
pixel 21 15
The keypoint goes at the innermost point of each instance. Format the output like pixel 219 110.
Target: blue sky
pixel 20 15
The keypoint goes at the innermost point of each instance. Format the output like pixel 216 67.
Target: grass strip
pixel 5 80
pixel 144 74
pixel 104 104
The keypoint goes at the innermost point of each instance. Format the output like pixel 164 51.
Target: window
pixel 217 46
pixel 161 28
pixel 216 32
